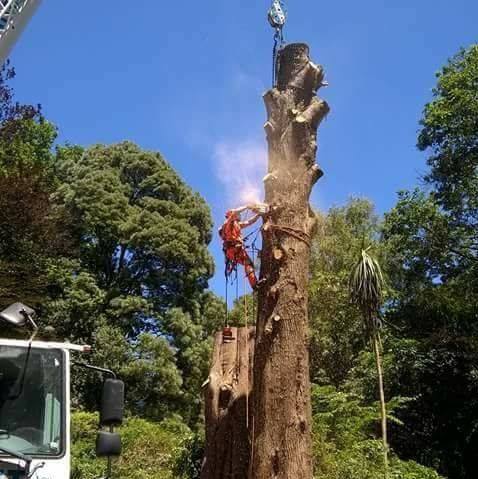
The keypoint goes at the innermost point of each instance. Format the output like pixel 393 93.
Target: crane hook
pixel 277 17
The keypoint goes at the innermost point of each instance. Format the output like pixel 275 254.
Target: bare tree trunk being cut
pixel 227 395
pixel 282 443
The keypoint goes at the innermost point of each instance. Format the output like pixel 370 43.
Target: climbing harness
pixel 254 232
pixel 277 17
pixel 231 276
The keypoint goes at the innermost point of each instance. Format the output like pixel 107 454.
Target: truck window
pixel 31 400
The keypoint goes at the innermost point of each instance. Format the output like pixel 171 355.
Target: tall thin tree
pixel 366 290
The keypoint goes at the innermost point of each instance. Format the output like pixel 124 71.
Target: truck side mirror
pixel 108 444
pixel 18 315
pixel 112 403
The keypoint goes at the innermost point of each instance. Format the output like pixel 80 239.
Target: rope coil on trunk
pixel 294 232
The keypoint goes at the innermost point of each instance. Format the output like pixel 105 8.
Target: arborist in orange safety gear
pixel 233 242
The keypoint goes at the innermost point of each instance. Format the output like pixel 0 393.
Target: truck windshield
pixel 31 400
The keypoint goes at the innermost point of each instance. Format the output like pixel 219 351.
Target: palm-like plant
pixel 366 290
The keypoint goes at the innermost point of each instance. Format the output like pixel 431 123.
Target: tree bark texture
pixel 227 399
pixel 282 443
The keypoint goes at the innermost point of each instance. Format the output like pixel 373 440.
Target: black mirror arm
pixel 30 319
pixel 32 322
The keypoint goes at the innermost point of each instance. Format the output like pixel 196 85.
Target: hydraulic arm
pixel 14 15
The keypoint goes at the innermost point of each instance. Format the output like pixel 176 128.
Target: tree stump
pixel 227 397
pixel 282 445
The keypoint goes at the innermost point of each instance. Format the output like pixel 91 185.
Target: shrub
pixel 150 450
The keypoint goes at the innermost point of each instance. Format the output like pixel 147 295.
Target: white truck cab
pixel 35 405
pixel 35 408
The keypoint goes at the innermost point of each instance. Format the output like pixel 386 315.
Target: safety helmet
pixel 231 214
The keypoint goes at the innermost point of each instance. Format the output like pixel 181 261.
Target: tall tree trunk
pixel 227 396
pixel 282 444
pixel 383 408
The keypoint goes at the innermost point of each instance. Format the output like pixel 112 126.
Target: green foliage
pixel 12 111
pixel 32 228
pixel 190 457
pixel 346 412
pixel 424 245
pixel 143 231
pixel 75 307
pixel 109 245
pixel 432 242
pixel 336 324
pixel 243 311
pixel 191 335
pixel 135 291
pixel 153 378
pixel 344 444
pixel 150 450
pixel 440 421
pixel 450 133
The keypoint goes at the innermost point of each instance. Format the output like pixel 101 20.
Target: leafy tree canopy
pixel 136 290
pixel 450 133
pixel 431 240
pixel 143 232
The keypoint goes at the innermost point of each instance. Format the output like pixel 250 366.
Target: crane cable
pixel 277 17
pixel 247 353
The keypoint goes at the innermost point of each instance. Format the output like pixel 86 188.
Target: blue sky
pixel 186 78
